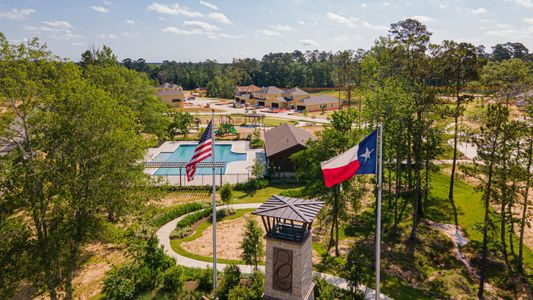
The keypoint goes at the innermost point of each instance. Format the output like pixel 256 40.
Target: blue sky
pixel 195 30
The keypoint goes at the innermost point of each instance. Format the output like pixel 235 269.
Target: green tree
pixel 457 64
pixel 133 90
pixel 226 193
pixel 181 123
pixel 252 244
pixel 75 160
pixel 487 142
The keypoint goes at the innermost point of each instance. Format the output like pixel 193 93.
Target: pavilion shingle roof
pixel 248 88
pixel 284 137
pixel 294 209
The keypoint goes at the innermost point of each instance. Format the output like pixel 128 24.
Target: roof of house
pixel 270 90
pixel 168 85
pixel 319 99
pixel 283 137
pixel 243 96
pixel 170 93
pixel 286 208
pixel 296 92
pixel 248 88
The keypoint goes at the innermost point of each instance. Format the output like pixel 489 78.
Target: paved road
pixel 163 235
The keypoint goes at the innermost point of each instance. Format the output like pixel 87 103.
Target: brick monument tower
pixel 289 266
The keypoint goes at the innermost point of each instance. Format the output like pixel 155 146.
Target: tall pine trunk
pixel 454 162
pixel 525 205
pixel 486 220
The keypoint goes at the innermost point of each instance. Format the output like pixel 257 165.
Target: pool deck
pixel 232 168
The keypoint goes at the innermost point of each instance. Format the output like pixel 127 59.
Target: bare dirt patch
pixel 89 279
pixel 229 236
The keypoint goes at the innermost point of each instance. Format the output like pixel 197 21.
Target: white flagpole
pixel 378 217
pixel 214 207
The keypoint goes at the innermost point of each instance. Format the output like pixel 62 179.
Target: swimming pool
pixel 185 152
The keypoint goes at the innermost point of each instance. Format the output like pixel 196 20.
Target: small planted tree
pixel 251 245
pixel 226 193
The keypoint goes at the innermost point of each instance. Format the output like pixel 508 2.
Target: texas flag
pixel 360 159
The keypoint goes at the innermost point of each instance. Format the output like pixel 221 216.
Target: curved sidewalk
pixel 163 235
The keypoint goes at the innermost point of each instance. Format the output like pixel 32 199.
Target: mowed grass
pixel 261 195
pixel 470 211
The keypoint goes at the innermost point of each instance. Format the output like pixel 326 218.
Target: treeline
pixel 284 69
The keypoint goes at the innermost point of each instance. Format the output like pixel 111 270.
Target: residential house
pixel 294 98
pixel 172 94
pixel 248 89
pixel 283 141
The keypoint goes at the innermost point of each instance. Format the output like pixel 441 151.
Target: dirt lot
pixel 229 234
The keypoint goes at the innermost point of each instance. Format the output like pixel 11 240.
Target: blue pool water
pixel 185 152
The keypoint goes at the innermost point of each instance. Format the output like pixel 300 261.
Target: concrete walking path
pixel 163 235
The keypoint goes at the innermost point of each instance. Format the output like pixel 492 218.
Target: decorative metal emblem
pixel 282 277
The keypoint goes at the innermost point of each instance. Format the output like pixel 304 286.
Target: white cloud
pixel 17 14
pixel 422 18
pixel 374 27
pixel 78 44
pixel 363 5
pixel 353 22
pixel 209 5
pixel 55 31
pixel 176 30
pixel 479 11
pixel 107 2
pixel 130 22
pixel 100 9
pixel 528 20
pixel 308 42
pixel 504 26
pixel 525 3
pixel 348 22
pixel 269 32
pixel 200 25
pixel 220 17
pixel 443 6
pixel 200 28
pixel 175 9
pixel 106 36
pixel 386 3
pixel 58 24
pixel 503 32
pixel 282 27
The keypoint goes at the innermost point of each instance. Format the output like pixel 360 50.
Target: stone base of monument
pixel 289 270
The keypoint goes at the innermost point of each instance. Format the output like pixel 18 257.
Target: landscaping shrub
pixel 325 290
pixel 254 184
pixel 230 279
pixel 205 279
pixel 193 218
pixel 177 212
pixel 120 282
pixel 180 233
pixel 172 280
pixel 252 288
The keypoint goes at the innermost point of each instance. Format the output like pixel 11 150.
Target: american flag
pixel 203 150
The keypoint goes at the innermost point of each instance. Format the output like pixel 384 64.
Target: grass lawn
pixel 469 209
pixel 205 223
pixel 259 196
pixel 276 121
